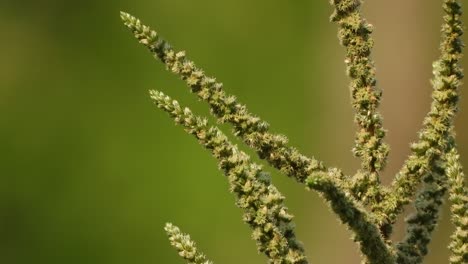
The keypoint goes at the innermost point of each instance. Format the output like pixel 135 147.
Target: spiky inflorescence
pixel 254 131
pixel 365 232
pixel 459 198
pixel 422 223
pixel 354 34
pixel 185 246
pixel 253 189
pixel 434 139
pixel 430 160
pixel 262 203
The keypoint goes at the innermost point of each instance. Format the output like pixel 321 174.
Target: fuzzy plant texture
pixel 368 208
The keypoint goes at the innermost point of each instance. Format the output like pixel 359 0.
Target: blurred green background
pixel 91 171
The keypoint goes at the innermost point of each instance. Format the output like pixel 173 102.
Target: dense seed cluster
pixel 355 35
pixel 185 245
pixel 434 138
pixel 459 199
pixel 262 203
pixel 253 131
pixel 351 213
pixel 434 160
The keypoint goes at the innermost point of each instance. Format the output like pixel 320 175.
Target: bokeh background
pixel 90 171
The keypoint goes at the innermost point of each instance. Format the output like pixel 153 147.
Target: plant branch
pixel 262 203
pixel 355 35
pixel 422 223
pixel 432 167
pixel 433 138
pixel 354 215
pixel 250 128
